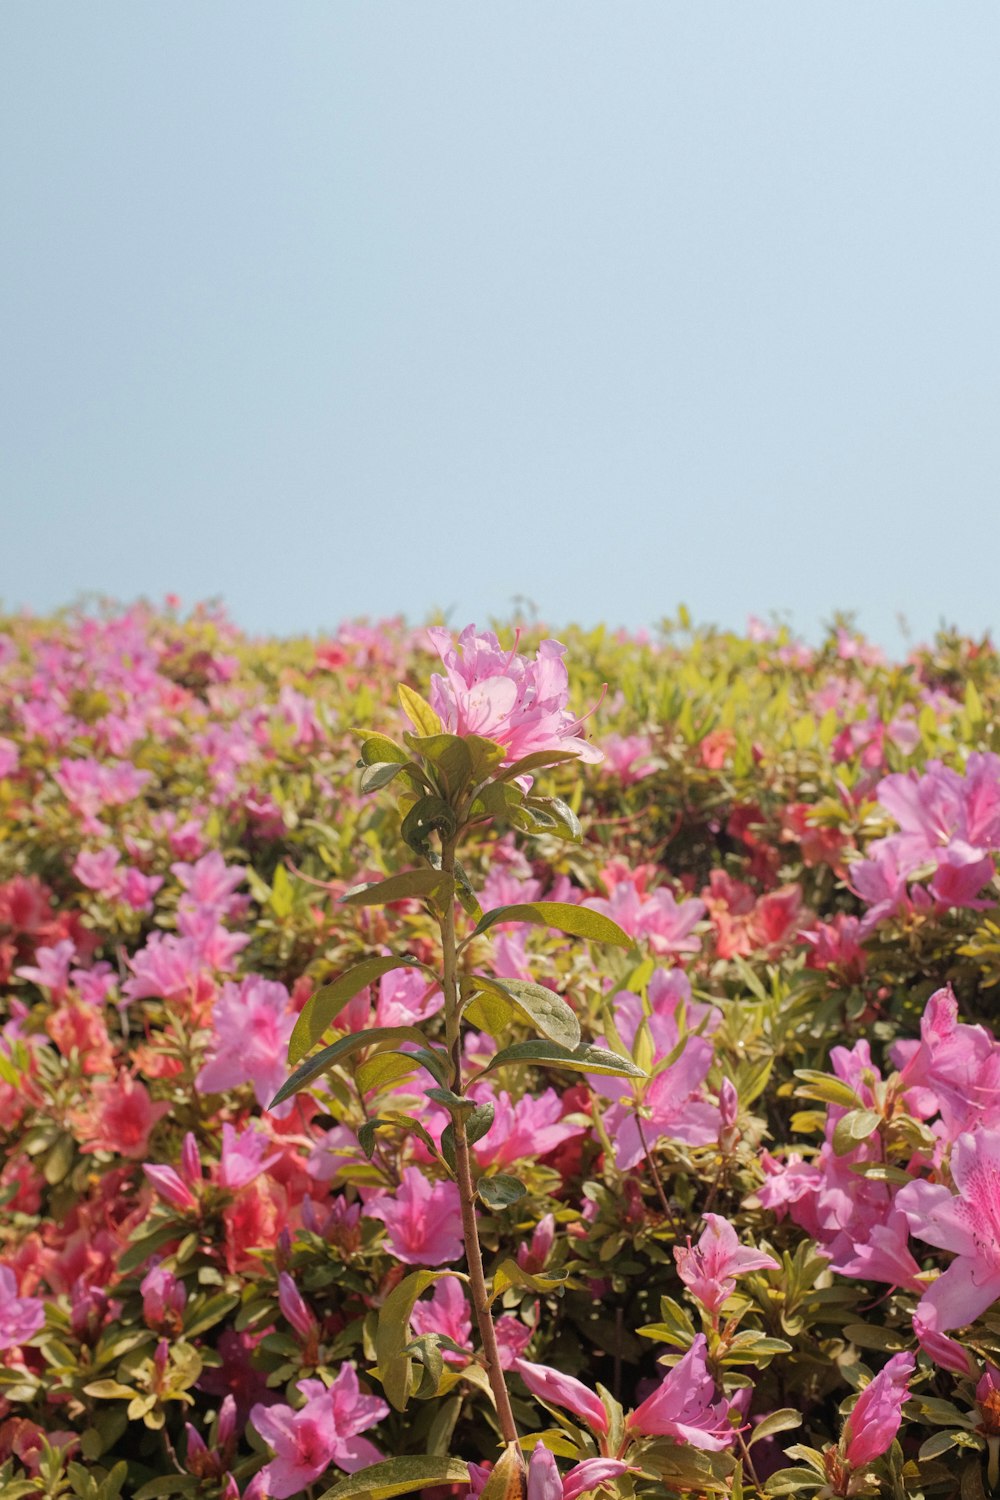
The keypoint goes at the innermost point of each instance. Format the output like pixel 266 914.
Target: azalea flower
pixel 324 1431
pixel 20 1317
pixel 968 1224
pixel 252 1022
pixel 423 1220
pixel 503 696
pixel 684 1405
pixel 709 1269
pixel 877 1413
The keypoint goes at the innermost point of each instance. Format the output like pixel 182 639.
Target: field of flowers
pixel 517 1082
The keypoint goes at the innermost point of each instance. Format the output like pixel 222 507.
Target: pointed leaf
pixel 519 999
pixel 410 883
pixel 419 712
pixel 393 1334
pixel 321 1009
pixel 583 1059
pixel 373 778
pixel 378 749
pixel 400 1476
pixel 578 921
pixel 328 1058
pixel 500 1191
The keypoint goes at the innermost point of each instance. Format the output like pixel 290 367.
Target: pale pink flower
pixel 210 882
pixel 405 997
pixel 50 971
pixel 968 1224
pixel 684 1406
pixel 252 1022
pixel 244 1155
pixel 654 916
pixel 709 1269
pixel 503 696
pixel 423 1220
pixel 877 1413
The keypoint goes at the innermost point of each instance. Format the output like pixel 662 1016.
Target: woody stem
pixel 463 1163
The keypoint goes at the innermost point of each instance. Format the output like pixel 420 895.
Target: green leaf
pixel 505 1000
pixel 385 1068
pixel 559 813
pixel 321 1009
pixel 582 1059
pixel 410 883
pixel 857 1125
pixel 373 778
pixel 827 1088
pixel 501 1191
pixel 328 1058
pixel 782 1420
pixel 377 749
pixel 790 1481
pixel 393 1334
pixel 419 712
pixel 447 753
pixel 578 921
pixel 400 1476
pixel 538 760
pixel 427 815
pixel 509 1274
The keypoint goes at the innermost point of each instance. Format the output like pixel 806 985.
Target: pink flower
pixel 447 1313
pixel 210 883
pixel 295 1309
pixel 546 1483
pixel 709 1269
pixel 877 1413
pixel 244 1156
pixel 954 1068
pixel 530 1128
pixel 164 1298
pixel 665 923
pixel 252 1022
pixel 502 696
pixel 20 1317
pixel 423 1220
pixel 967 1223
pixel 322 1432
pixel 557 1389
pixel 684 1407
pixel 119 1118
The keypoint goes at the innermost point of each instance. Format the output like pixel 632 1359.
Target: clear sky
pixel 354 308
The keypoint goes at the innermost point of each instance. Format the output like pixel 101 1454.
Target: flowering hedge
pixel 510 1086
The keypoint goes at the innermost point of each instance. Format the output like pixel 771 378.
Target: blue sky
pixel 339 309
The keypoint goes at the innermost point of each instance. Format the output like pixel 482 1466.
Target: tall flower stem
pixel 463 1162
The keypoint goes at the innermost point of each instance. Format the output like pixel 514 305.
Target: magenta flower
pixel 323 1432
pixel 295 1309
pixel 877 1413
pixel 546 1483
pixel 502 696
pixel 684 1406
pixel 423 1220
pixel 967 1223
pixel 709 1269
pixel 557 1389
pixel 20 1317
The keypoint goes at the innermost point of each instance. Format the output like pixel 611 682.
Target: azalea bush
pixel 488 1065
